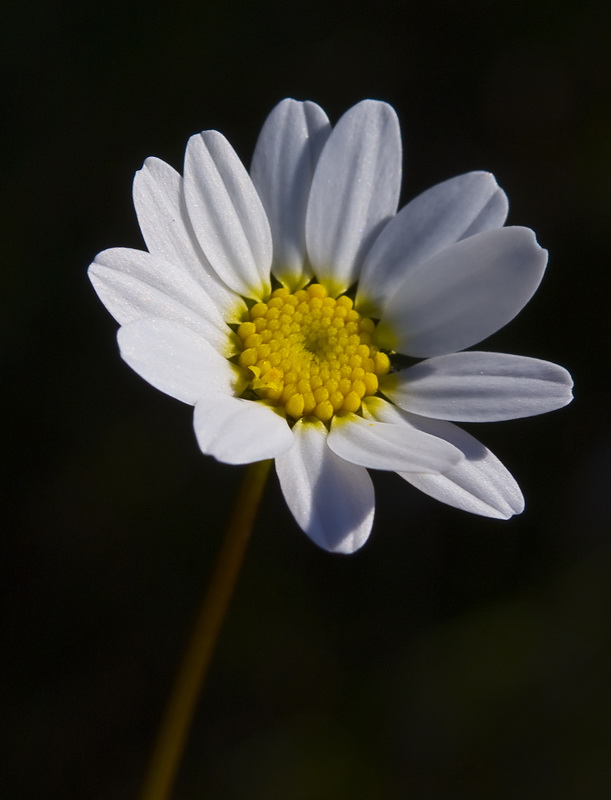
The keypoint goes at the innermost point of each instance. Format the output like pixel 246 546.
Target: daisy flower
pixel 282 303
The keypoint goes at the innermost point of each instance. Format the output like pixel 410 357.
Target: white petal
pixel 133 284
pixel 394 446
pixel 332 500
pixel 355 191
pixel 479 483
pixel 463 294
pixel 227 215
pixel 177 360
pixel 238 431
pixel 168 233
pixel 430 223
pixel 493 215
pixel 480 387
pixel 282 168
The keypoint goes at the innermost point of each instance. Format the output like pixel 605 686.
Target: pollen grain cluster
pixel 310 353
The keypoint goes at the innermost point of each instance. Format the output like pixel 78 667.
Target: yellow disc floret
pixel 310 353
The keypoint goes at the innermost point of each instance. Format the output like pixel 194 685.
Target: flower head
pixel 276 303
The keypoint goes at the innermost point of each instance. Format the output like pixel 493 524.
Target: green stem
pixel 174 727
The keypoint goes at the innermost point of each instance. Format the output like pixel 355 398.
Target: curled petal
pixel 237 431
pixel 331 499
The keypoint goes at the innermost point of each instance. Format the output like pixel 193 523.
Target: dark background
pixel 454 656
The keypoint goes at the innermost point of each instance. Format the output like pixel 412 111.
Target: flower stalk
pixel 174 728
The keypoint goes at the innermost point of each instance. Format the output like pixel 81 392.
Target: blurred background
pixel 454 656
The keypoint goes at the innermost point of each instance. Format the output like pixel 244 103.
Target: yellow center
pixel 310 353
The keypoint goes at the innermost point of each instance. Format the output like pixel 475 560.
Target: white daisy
pixel 276 303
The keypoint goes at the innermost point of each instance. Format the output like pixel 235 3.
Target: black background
pixel 454 656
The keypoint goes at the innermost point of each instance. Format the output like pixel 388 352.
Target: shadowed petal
pixel 433 221
pixel 480 387
pixel 332 500
pixel 355 191
pixel 282 168
pixel 479 483
pixel 463 294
